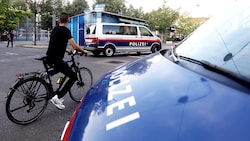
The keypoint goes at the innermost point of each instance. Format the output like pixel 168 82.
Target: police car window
pixel 145 32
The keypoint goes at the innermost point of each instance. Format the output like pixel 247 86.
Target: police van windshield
pixel 91 29
pixel 145 32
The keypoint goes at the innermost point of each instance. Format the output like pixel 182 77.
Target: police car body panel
pixel 127 104
pixel 199 91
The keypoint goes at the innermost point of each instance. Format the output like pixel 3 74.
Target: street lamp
pixel 36 17
pixel 53 14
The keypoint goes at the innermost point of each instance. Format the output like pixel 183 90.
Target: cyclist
pixel 59 39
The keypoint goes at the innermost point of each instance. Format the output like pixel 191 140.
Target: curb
pixel 27 44
pixel 32 46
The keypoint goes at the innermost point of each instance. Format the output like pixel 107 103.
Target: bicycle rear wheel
pixel 27 100
pixel 82 85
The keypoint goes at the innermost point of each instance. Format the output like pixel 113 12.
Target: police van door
pixel 129 36
pixel 147 38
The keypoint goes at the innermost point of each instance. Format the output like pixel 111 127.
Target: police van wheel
pixel 108 51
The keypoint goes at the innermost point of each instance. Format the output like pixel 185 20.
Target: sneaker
pixel 58 102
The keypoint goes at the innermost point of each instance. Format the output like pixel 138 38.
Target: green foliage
pixel 187 25
pixel 77 7
pixel 10 16
pixel 12 11
pixel 133 12
pixel 161 20
pixel 46 15
pixel 47 9
pixel 114 6
pixel 20 5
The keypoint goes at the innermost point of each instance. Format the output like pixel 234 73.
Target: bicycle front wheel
pixel 27 100
pixel 82 85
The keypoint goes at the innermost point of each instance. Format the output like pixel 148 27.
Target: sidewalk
pixel 44 44
pixel 27 44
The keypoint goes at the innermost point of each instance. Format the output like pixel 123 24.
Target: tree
pixel 69 8
pixel 48 8
pixel 114 6
pixel 186 25
pixel 46 15
pixel 133 12
pixel 77 7
pixel 20 5
pixel 162 19
pixel 10 16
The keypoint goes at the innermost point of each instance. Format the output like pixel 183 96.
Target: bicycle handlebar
pixel 75 52
pixel 72 53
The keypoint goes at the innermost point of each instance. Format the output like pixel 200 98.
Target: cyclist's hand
pixel 85 52
pixel 68 51
pixel 81 53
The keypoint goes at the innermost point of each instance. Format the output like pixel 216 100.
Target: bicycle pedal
pixel 59 80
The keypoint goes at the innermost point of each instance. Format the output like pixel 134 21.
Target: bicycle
pixel 28 97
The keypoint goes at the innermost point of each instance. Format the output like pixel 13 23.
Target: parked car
pixel 198 91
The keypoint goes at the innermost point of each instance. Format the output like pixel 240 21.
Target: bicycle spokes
pixel 27 100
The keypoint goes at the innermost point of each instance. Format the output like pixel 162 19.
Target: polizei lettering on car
pixel 123 89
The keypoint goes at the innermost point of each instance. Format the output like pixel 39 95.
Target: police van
pixel 109 38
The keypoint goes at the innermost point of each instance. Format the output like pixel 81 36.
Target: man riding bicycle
pixel 59 39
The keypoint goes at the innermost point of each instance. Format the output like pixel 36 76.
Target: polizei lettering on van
pixel 137 44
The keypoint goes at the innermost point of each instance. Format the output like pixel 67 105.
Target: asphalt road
pixel 50 125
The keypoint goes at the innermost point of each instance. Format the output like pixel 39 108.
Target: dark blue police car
pixel 198 91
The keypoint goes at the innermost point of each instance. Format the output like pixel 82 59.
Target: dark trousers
pixel 61 66
pixel 10 41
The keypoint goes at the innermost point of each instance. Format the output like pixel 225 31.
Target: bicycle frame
pixel 48 69
pixel 46 76
pixel 33 90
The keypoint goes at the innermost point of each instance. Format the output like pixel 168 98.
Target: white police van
pixel 110 38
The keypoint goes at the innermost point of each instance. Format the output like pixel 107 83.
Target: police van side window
pixel 133 30
pixel 110 29
pixel 119 30
pixel 128 30
pixel 145 32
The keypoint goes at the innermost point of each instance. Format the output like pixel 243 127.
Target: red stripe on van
pixel 128 40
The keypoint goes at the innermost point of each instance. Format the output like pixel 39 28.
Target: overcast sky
pixel 195 8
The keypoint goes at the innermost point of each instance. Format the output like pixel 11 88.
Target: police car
pixel 198 91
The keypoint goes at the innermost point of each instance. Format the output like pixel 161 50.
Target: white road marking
pixel 11 53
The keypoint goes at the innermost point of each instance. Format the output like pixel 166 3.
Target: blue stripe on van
pixel 121 43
